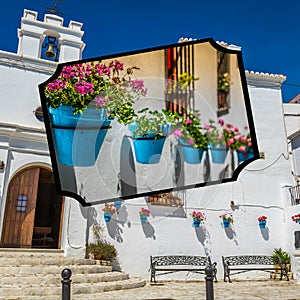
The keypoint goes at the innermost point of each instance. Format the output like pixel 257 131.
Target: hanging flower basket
pixel 144 214
pixel 262 221
pixel 198 217
pixel 244 155
pixel 118 204
pixel 218 153
pixel 109 209
pixel 191 154
pixel 78 137
pixel 227 219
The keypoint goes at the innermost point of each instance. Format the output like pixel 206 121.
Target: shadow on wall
pixel 265 232
pixel 203 237
pixel 116 224
pixel 90 215
pixel 149 230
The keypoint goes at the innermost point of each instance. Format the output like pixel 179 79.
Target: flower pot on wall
pixel 262 224
pixel 226 223
pixel 242 156
pixel 107 217
pixel 148 148
pixel 78 138
pixel 143 218
pixel 218 154
pixel 118 204
pixel 196 222
pixel 191 154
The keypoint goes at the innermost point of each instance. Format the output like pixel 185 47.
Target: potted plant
pixel 178 92
pixel 224 82
pixel 109 209
pixel 197 216
pixel 217 140
pixel 262 221
pixel 118 203
pixel 144 214
pixel 227 219
pixel 149 130
pixel 296 218
pixel 281 256
pixel 83 101
pixel 100 249
pixel 192 138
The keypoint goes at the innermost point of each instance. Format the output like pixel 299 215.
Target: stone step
pixel 78 291
pixel 41 260
pixel 30 252
pixel 52 269
pixel 47 279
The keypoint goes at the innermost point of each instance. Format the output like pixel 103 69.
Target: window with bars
pixel 21 203
pixel 179 62
pixel 223 83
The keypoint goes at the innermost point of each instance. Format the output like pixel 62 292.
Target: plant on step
pixel 100 248
pixel 97 85
pixel 282 256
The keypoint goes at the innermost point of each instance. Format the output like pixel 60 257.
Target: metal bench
pixel 245 263
pixel 175 263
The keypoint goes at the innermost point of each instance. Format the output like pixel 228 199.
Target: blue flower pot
pixel 218 154
pixel 78 138
pixel 191 154
pixel 196 223
pixel 226 223
pixel 118 204
pixel 107 217
pixel 242 156
pixel 262 224
pixel 143 219
pixel 148 149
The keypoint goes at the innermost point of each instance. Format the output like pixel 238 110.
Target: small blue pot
pixel 107 217
pixel 78 138
pixel 262 224
pixel 196 223
pixel 242 156
pixel 191 154
pixel 118 204
pixel 218 154
pixel 143 219
pixel 226 223
pixel 148 149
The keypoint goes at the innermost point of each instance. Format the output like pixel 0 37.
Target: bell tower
pixel 49 39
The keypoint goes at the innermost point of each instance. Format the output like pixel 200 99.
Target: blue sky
pixel 268 33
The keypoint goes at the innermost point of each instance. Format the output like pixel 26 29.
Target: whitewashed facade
pixel 262 187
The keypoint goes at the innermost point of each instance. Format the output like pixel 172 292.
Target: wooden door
pixel 20 209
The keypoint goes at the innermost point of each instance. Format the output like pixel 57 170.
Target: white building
pixel 27 183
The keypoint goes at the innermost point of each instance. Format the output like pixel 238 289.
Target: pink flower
pixel 191 141
pixel 206 126
pixel 230 142
pixel 221 121
pixel 188 121
pixel 242 148
pixel 177 133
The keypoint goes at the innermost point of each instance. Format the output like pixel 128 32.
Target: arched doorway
pixel 33 211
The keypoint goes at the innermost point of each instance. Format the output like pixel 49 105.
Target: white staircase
pixel 36 274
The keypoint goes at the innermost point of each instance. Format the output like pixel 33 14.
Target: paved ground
pixel 190 290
